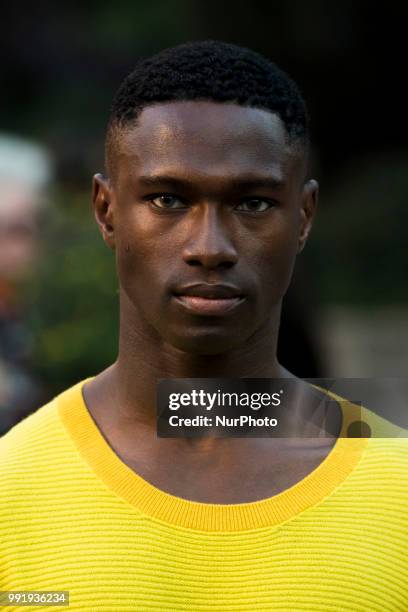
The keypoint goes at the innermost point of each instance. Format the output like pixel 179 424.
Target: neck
pixel 122 399
pixel 144 358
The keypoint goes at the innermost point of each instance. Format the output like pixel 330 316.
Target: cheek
pixel 141 260
pixel 135 268
pixel 278 257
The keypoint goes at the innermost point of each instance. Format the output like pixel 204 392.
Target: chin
pixel 210 343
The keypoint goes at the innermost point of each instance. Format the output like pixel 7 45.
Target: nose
pixel 209 244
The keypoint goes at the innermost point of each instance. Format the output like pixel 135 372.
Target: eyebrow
pixel 239 183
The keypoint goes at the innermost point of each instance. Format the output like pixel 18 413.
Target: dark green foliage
pixel 73 299
pixel 359 246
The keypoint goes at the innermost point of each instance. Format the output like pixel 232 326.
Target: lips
pixel 207 299
pixel 210 291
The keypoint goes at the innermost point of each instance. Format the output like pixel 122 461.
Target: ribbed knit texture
pixel 74 517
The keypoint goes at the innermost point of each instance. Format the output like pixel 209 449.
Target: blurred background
pixel 346 313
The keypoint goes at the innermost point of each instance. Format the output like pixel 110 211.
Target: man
pixel 206 203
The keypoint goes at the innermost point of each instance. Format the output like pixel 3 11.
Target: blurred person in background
pixel 25 172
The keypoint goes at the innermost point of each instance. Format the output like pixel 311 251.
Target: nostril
pixel 226 265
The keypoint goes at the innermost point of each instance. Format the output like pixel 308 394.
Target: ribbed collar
pixel 151 501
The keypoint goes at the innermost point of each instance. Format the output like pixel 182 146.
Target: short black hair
pixel 210 70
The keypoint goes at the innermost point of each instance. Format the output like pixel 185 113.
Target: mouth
pixel 208 306
pixel 209 299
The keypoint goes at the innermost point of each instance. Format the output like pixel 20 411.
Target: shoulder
pixel 379 427
pixel 393 450
pixel 379 485
pixel 387 454
pixel 30 433
pixel 360 421
pixel 35 446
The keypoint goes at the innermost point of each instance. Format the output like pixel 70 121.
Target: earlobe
pixel 308 210
pixel 102 202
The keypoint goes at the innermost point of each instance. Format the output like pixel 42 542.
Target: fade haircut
pixel 208 71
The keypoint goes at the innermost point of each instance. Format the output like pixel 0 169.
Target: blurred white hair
pixel 24 162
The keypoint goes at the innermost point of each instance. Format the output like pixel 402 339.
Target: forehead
pixel 207 138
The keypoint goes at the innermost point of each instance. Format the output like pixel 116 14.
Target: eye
pixel 254 205
pixel 166 201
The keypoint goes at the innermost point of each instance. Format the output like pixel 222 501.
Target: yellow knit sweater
pixel 74 517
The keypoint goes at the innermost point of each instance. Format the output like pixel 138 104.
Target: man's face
pixel 205 194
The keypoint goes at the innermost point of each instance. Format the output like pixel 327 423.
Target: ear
pixel 309 197
pixel 102 198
